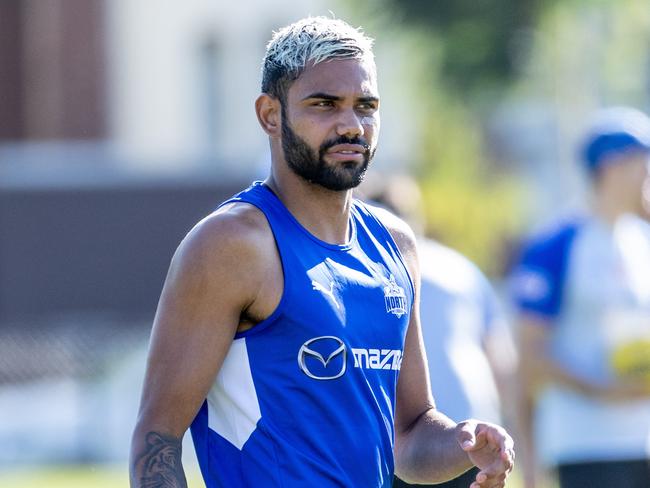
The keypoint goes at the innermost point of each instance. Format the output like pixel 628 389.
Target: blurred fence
pixel 81 269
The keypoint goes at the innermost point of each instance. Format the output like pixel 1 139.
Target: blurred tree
pixel 471 202
pixel 481 40
pixel 469 57
pixel 589 53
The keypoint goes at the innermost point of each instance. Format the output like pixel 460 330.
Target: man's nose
pixel 349 124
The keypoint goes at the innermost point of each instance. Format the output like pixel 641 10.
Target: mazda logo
pixel 323 343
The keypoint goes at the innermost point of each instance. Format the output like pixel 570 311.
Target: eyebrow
pixel 334 98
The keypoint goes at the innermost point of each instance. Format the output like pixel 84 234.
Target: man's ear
pixel 269 114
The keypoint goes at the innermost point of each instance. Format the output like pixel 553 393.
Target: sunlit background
pixel 122 122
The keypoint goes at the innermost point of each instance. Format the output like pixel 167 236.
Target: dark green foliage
pixel 482 40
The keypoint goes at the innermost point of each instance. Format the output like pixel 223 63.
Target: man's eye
pixel 366 107
pixel 323 103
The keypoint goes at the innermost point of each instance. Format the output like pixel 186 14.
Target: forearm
pixel 539 367
pixel 428 451
pixel 548 370
pixel 156 460
pixel 621 389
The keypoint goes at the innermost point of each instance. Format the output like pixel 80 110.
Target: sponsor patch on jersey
pixel 325 358
pixel 377 358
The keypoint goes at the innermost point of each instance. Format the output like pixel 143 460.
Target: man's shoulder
pixel 555 233
pixel 241 218
pixel 542 266
pixel 441 253
pixel 448 268
pixel 400 231
pixel 235 231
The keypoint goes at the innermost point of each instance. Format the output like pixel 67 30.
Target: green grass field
pixel 77 477
pixel 97 477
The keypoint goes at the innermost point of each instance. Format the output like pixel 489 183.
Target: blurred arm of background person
pixel 469 349
pixel 539 367
pixel 538 288
pixel 574 294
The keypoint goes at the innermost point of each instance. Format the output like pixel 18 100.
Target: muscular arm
pixel 430 447
pixel 205 292
pixel 426 447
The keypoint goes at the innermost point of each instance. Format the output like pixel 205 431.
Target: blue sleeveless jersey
pixel 307 397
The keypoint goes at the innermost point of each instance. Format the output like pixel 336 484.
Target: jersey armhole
pixel 277 312
pixel 391 241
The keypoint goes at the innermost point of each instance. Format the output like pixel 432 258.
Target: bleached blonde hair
pixel 311 40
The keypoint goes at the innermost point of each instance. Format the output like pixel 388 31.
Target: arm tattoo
pixel 160 466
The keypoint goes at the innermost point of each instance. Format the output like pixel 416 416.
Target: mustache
pixel 360 141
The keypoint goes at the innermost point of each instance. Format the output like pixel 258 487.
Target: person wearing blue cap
pixel 582 291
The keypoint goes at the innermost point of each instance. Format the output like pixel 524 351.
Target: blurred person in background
pixel 468 344
pixel 287 334
pixel 582 290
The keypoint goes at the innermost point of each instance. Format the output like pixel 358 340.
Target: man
pixel 583 291
pixel 288 313
pixel 468 346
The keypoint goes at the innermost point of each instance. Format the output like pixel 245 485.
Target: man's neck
pixel 609 207
pixel 324 213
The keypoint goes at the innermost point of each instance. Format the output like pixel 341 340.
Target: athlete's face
pixel 330 122
pixel 645 187
pixel 630 176
pixel 634 175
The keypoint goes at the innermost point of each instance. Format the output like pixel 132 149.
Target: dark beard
pixel 313 168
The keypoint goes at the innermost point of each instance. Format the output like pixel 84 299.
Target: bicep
pixel 533 338
pixel 533 334
pixel 195 324
pixel 413 388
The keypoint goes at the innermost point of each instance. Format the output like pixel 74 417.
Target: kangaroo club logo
pixel 394 297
